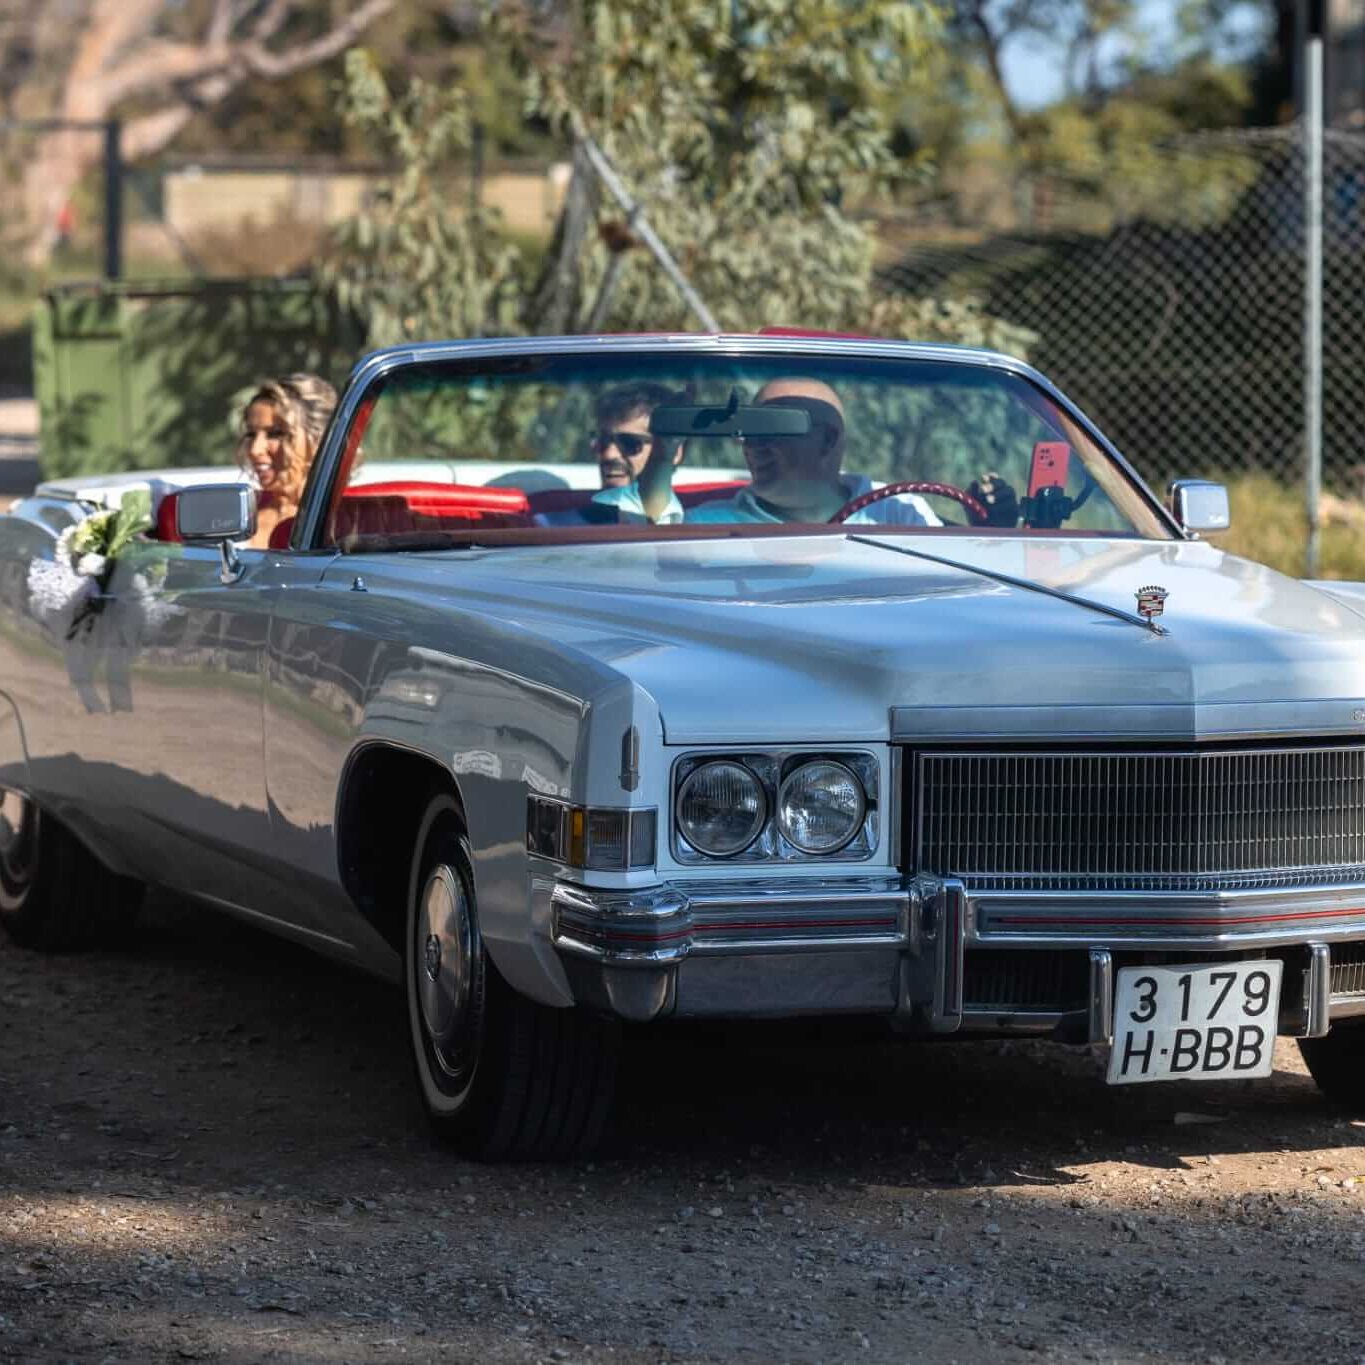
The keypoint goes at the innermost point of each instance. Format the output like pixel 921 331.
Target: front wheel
pixel 502 1078
pixel 55 895
pixel 1337 1063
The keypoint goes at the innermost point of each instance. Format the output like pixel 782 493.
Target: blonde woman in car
pixel 281 428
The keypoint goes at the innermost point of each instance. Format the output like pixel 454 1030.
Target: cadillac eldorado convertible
pixel 881 686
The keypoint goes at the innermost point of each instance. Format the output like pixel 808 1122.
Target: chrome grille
pixel 1188 821
pixel 1015 979
pixel 1348 969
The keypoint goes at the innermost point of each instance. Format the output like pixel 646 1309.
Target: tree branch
pixel 221 25
pixel 262 62
pixel 112 25
pixel 990 50
pixel 160 66
pixel 271 20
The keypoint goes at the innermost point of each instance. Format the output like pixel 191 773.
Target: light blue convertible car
pixel 874 683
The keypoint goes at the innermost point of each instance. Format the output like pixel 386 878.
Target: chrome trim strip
pixel 1317 991
pixel 1347 1006
pixel 1014 581
pixel 703 947
pixel 949 937
pixel 667 923
pixel 1155 919
pixel 1185 722
pixel 1100 1014
pixel 628 928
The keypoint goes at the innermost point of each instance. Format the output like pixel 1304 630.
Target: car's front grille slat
pixel 1178 820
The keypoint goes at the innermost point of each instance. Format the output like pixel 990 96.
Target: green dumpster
pixel 145 376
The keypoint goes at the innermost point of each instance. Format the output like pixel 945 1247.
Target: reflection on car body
pixel 941 770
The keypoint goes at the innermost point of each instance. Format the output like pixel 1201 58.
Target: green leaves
pixel 418 262
pixel 752 132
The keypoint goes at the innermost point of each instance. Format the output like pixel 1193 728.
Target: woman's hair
pixel 304 405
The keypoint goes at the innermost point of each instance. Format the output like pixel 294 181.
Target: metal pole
pixel 113 199
pixel 1312 302
pixel 635 216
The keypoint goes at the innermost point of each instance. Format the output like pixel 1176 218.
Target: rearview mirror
pixel 734 420
pixel 1200 505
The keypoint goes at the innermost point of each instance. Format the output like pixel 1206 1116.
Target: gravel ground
pixel 210 1149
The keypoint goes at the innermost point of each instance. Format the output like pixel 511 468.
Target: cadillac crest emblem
pixel 1151 601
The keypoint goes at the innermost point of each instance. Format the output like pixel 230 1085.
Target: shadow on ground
pixel 210 1147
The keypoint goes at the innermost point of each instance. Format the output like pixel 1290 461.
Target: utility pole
pixel 1313 63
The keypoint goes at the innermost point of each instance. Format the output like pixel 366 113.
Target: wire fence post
pixel 1312 284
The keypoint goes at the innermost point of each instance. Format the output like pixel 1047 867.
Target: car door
pixel 178 667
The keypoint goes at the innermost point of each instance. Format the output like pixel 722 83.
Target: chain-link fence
pixel 1168 298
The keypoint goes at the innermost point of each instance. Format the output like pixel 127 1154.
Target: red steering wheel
pixel 976 509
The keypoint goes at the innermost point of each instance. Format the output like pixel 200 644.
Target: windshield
pixel 666 444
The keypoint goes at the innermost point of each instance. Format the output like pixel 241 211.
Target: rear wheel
pixel 1337 1064
pixel 55 895
pixel 502 1078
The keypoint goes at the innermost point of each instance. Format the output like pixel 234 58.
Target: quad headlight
pixel 775 806
pixel 820 806
pixel 722 809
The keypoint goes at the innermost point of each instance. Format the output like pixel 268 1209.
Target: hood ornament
pixel 1151 601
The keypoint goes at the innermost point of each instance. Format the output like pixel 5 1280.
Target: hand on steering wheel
pixel 977 510
pixel 998 497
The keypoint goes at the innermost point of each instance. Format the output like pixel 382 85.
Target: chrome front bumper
pixel 901 947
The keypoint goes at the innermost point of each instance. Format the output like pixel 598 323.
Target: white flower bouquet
pixel 72 587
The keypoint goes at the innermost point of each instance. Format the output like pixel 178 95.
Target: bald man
pixel 798 478
pixel 793 478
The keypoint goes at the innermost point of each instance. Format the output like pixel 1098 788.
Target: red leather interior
pixel 402 506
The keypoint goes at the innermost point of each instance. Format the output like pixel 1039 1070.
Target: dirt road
pixel 210 1150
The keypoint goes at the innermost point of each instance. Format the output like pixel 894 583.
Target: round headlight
pixel 820 807
pixel 721 809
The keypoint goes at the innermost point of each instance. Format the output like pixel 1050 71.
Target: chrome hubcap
pixel 18 821
pixel 445 939
pixel 13 818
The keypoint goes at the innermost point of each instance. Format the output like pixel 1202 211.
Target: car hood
pixel 824 638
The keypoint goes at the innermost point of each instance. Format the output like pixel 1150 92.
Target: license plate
pixel 1195 1023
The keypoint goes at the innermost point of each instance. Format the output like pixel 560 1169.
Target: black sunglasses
pixel 629 443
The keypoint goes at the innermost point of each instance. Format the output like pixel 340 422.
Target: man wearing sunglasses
pixel 623 446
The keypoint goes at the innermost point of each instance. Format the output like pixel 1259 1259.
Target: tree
pixel 1105 52
pixel 154 63
pixel 750 131
pixel 407 264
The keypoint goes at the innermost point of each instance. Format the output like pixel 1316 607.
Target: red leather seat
pixel 399 507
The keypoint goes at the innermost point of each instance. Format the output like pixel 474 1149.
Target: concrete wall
pixel 204 198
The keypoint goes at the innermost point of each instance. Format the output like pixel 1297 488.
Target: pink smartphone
pixel 1048 468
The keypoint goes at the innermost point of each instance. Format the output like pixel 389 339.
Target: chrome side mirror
pixel 1200 505
pixel 218 514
